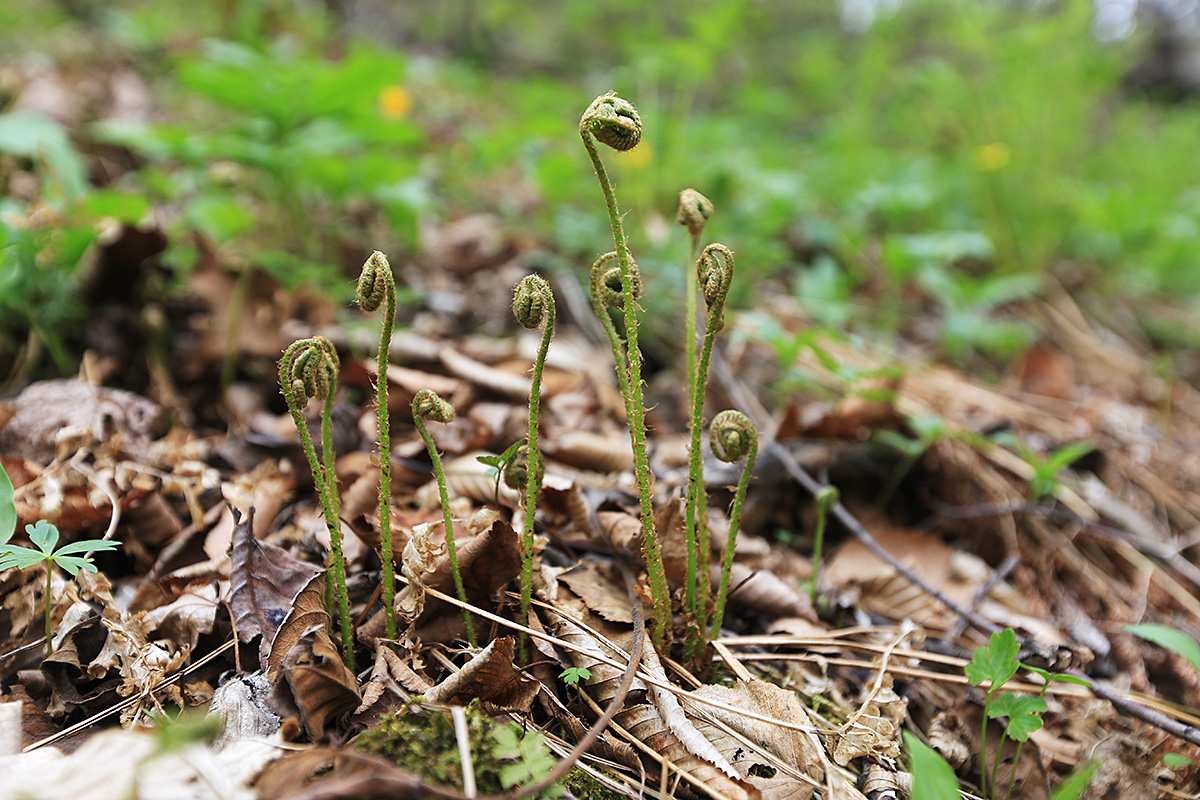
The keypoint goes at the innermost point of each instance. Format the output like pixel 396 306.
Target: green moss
pixel 422 741
pixel 583 786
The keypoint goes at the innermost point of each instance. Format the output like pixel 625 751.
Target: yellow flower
pixel 639 156
pixel 395 102
pixel 991 157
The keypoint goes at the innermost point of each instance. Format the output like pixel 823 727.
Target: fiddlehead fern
pixel 733 437
pixel 533 306
pixel 427 406
pixel 376 289
pixel 694 212
pixel 308 371
pixel 615 122
pixel 606 293
pixel 714 274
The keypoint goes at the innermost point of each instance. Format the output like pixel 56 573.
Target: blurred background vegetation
pixel 911 171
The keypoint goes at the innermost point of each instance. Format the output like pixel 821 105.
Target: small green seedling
pixel 573 675
pixel 996 664
pixel 1044 481
pixel 532 759
pixel 499 466
pixel 44 537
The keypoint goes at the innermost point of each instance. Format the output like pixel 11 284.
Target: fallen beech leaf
pixel 491 677
pixel 592 451
pixel 263 583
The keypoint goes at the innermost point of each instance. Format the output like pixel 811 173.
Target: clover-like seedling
pixel 573 675
pixel 70 557
pixel 996 664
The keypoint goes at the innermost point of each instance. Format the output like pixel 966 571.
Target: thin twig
pixel 614 705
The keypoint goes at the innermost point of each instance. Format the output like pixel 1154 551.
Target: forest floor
pixel 196 611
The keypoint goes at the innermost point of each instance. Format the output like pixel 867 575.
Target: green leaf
pixel 573 675
pixel 1022 712
pixel 1174 760
pixel 87 546
pixel 8 507
pixel 1060 677
pixel 43 535
pixel 1075 784
pixel 997 662
pixel 1169 638
pixel 73 564
pixel 933 779
pixel 20 557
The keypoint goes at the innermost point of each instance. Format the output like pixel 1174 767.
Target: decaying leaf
pixel 263 584
pixel 43 411
pixel 700 739
pixel 874 728
pixel 316 681
pixel 592 582
pixel 242 705
pixel 491 677
pixel 782 763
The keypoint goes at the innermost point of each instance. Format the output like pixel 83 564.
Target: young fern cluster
pixel 377 288
pixel 308 370
pixel 615 122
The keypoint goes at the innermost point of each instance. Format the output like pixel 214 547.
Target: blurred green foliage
pixel 918 178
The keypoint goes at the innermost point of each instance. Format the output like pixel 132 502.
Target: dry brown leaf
pixel 592 451
pixel 489 676
pixel 782 763
pixel 183 621
pixel 263 585
pixel 592 581
pixel 874 728
pixel 317 682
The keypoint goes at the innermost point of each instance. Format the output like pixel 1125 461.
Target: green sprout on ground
pixel 377 289
pixel 573 675
pixel 826 499
pixel 995 665
pixel 427 406
pixel 533 306
pixel 531 760
pixel 70 557
pixel 308 370
pixel 1044 481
